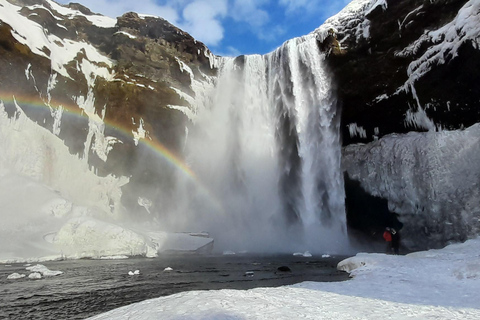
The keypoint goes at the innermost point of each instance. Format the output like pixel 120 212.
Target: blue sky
pixel 231 27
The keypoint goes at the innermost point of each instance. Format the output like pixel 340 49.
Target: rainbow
pixel 151 143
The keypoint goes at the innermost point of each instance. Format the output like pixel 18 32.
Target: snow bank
pixel 422 286
pixel 350 21
pixel 89 237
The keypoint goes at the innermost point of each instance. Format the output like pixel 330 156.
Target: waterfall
pixel 266 148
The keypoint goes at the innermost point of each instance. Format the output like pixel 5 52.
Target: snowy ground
pixel 436 284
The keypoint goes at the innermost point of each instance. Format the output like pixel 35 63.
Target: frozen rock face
pixel 431 180
pixel 404 66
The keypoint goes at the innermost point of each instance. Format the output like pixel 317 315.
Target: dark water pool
pixel 90 287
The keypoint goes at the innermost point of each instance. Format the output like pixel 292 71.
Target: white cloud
pixel 249 11
pixel 202 20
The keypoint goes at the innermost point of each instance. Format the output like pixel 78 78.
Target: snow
pixel 15 276
pixel 305 254
pixel 463 29
pixel 141 133
pixel 436 284
pixel 126 34
pixel 352 17
pixel 70 212
pixel 95 19
pixel 35 276
pixel 61 51
pixel 44 271
pixel 134 273
pixel 113 257
pixel 89 237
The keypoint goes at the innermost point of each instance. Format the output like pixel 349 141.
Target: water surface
pixel 90 287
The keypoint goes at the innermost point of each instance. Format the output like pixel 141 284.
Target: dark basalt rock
pixel 367 213
pixel 284 269
pixel 370 68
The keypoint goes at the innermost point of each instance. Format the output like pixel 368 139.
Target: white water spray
pixel 267 147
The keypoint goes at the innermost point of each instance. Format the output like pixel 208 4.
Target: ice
pixel 167 269
pixel 44 271
pixel 15 276
pixel 134 273
pixel 89 237
pixel 181 242
pixel 463 29
pixel 35 276
pixel 352 17
pixel 430 179
pixel 305 254
pixel 113 257
pixel 140 133
pixel 423 285
pixel 36 165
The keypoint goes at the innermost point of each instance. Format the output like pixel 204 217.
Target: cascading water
pixel 266 149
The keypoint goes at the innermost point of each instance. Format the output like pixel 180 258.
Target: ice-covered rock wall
pixel 400 67
pixel 431 180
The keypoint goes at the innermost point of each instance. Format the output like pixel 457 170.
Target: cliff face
pixel 102 84
pixel 407 66
pixel 400 67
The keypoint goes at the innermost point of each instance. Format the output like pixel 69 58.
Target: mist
pixel 266 150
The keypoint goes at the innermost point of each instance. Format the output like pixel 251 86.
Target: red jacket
pixel 387 236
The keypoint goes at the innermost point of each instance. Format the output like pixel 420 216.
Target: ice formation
pixel 44 271
pixel 15 276
pixel 430 179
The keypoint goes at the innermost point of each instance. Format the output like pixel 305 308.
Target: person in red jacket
pixel 387 235
pixel 392 237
